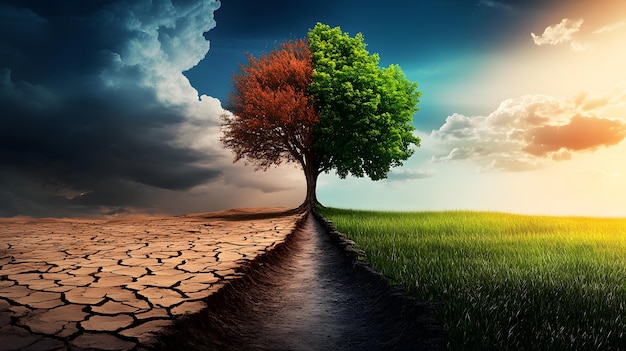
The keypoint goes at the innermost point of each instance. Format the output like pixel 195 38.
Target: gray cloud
pixel 94 102
pixel 407 174
pixel 497 5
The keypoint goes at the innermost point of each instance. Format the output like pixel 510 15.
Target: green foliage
pixel 509 282
pixel 364 126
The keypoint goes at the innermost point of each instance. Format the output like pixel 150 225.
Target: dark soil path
pixel 309 295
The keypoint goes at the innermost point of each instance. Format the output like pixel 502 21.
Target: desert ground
pixel 114 284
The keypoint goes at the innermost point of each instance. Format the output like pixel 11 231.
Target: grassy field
pixel 509 282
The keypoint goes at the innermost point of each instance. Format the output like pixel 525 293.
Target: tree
pixel 327 106
pixel 273 117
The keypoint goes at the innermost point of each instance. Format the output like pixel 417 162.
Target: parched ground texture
pixel 115 284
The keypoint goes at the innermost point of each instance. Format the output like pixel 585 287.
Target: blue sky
pixel 112 106
pixel 435 42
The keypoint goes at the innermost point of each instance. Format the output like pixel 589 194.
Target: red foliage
pixel 273 116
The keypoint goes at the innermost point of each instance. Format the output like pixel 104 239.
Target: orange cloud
pixel 581 133
pixel 530 131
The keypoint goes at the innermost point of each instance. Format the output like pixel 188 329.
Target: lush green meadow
pixel 508 281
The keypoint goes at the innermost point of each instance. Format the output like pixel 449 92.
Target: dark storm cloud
pixel 93 101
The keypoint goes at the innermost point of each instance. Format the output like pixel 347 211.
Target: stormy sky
pixel 97 116
pixel 113 107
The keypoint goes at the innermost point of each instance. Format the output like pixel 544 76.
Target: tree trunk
pixel 311 183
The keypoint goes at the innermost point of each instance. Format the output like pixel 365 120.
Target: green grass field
pixel 509 282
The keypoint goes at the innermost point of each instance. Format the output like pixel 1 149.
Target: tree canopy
pixel 273 116
pixel 324 103
pixel 365 111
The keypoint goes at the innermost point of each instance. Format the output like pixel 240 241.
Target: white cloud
pixel 160 42
pixel 578 46
pixel 610 27
pixel 530 131
pixel 562 32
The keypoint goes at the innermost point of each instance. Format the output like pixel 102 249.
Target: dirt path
pixel 309 297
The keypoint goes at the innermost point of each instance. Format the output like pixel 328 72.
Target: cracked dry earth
pixel 70 284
